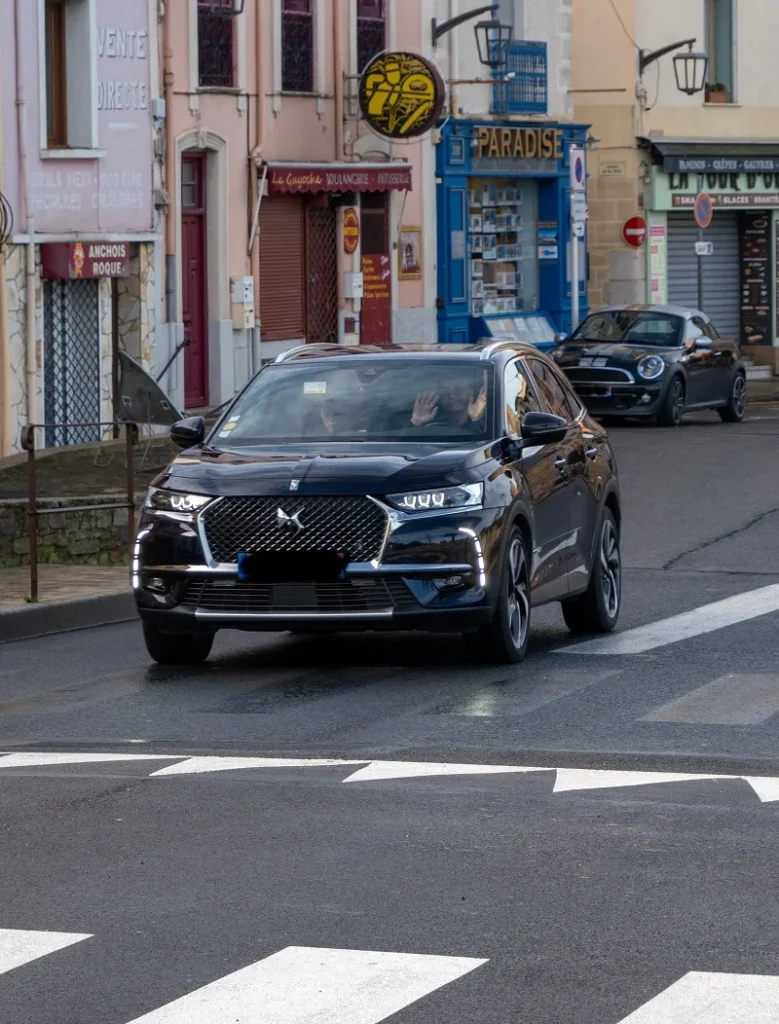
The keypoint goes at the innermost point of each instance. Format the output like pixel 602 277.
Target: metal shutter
pixel 721 271
pixel 282 269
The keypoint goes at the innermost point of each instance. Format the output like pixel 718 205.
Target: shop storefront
pixel 504 240
pixel 740 272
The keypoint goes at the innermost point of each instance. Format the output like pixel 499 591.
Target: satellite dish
pixel 140 398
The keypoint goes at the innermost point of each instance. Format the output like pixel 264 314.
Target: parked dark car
pixel 449 489
pixel 654 362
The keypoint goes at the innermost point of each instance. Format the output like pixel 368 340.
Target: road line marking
pixel 382 770
pixel 300 985
pixel 19 947
pixel 199 765
pixel 42 760
pixel 730 700
pixel 706 619
pixel 701 997
pixel 571 779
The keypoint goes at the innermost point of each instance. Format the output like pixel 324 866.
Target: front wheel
pixel 177 648
pixel 597 609
pixel 736 408
pixel 504 641
pixel 672 411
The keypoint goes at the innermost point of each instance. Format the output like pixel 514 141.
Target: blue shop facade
pixel 504 232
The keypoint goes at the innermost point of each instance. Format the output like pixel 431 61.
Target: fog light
pixel 158 585
pixel 450 583
pixel 646 399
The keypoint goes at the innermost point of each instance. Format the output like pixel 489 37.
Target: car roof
pixel 484 350
pixel 680 311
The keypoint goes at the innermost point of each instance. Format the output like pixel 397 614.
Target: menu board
pixel 755 279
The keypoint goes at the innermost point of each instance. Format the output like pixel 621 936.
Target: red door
pixel 194 279
pixel 376 316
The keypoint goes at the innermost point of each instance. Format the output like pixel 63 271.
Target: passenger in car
pixel 457 403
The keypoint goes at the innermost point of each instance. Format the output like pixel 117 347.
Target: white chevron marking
pixel 20 947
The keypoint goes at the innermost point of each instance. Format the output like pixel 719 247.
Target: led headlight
pixel 463 496
pixel 651 367
pixel 174 501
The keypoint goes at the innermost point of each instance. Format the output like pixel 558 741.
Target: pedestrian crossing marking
pixel 303 985
pixel 706 619
pixel 701 997
pixel 36 760
pixel 19 947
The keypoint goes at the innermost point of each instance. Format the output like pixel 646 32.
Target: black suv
pixel 436 488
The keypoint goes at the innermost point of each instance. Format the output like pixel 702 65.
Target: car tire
pixel 597 609
pixel 672 411
pixel 504 641
pixel 177 648
pixel 736 408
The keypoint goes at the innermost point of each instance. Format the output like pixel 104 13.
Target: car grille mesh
pixel 355 526
pixel 599 374
pixel 236 596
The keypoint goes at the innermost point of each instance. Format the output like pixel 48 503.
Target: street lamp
pixel 492 41
pixel 689 68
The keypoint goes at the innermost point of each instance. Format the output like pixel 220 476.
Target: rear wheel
pixel 672 411
pixel 504 641
pixel 177 648
pixel 736 408
pixel 597 609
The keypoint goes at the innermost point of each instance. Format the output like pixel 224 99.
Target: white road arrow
pixel 703 998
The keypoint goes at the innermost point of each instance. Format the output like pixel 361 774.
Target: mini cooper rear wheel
pixel 597 609
pixel 504 641
pixel 736 408
pixel 177 648
pixel 672 411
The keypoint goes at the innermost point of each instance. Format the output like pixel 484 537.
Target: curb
pixel 762 399
pixel 66 616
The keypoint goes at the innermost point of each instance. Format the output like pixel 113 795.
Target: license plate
pixel 291 566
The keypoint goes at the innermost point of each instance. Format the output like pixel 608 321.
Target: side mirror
pixel 543 428
pixel 188 433
pixel 560 339
pixel 702 344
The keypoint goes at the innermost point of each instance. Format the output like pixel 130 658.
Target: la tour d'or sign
pixel 401 95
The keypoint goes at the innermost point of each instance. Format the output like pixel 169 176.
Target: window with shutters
pixel 297 45
pixel 71 97
pixel 371 30
pixel 215 47
pixel 282 269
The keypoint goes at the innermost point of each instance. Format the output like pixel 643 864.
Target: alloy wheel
pixel 518 604
pixel 677 401
pixel 611 568
pixel 739 396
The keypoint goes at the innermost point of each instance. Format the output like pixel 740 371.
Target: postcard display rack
pixel 503 258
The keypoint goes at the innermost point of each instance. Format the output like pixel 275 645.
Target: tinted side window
pixel 551 391
pixel 692 330
pixel 707 327
pixel 519 397
pixel 571 400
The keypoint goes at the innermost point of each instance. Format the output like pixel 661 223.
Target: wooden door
pixel 194 279
pixel 376 316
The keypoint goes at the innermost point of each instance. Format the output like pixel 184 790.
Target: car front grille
pixel 597 374
pixel 237 596
pixel 354 526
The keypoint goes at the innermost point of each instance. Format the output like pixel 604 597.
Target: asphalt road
pixel 563 894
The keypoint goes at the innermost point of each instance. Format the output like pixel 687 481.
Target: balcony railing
pixel 526 91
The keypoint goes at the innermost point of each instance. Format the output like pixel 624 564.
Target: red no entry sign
pixel 634 232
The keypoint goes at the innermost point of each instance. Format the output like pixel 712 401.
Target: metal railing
pixel 27 441
pixel 523 81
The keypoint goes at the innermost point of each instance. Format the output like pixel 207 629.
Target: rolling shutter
pixel 282 269
pixel 721 270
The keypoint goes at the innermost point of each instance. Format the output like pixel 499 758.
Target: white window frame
pixel 239 52
pixel 708 36
pixel 89 144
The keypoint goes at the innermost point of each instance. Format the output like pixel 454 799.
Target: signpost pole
pixel 700 257
pixel 574 279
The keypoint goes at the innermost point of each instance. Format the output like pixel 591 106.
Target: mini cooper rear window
pixel 434 401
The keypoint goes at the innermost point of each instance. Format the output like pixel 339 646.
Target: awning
pixel 338 177
pixel 714 156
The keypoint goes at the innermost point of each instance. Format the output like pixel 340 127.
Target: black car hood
pixel 620 353
pixel 346 469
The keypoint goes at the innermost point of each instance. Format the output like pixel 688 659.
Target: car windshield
pixel 363 399
pixel 631 327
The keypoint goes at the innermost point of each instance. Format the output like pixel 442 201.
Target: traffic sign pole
pixel 700 258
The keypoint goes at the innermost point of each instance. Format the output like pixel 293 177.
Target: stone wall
pixel 83 538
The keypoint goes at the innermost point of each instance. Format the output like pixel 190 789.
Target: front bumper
pixel 629 399
pixel 436 573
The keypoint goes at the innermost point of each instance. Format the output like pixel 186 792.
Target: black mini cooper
pixel 429 488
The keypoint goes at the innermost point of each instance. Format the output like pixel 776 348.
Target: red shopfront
pixel 300 247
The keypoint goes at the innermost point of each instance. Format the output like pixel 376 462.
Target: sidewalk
pixel 70 597
pixel 763 390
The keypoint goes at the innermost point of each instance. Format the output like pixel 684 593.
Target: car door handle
pixel 592 453
pixel 561 464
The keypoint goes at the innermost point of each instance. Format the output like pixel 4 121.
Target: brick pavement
pixel 57 583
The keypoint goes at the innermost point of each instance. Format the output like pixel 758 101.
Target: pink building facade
pixel 279 198
pixel 78 83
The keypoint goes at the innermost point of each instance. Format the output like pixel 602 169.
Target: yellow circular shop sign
pixel 401 94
